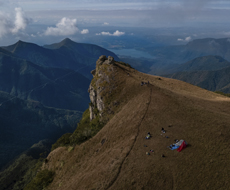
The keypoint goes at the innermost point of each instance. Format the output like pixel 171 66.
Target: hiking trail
pixel 138 130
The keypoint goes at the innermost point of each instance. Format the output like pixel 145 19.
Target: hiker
pixel 148 136
pixel 147 153
pixel 151 151
pixel 163 130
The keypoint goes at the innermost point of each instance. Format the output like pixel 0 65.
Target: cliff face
pixel 102 83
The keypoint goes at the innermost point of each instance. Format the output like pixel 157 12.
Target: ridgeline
pixel 131 104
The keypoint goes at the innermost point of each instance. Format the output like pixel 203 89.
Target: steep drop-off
pixel 53 87
pixel 24 123
pixel 133 105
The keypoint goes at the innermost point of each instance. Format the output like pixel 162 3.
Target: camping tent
pixel 182 146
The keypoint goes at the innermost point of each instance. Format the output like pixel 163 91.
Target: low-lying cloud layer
pixel 116 33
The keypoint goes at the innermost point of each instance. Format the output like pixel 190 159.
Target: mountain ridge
pixel 39 122
pixel 168 57
pixel 115 158
pixel 65 54
pixel 27 80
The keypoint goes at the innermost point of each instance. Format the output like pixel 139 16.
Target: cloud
pixel 21 21
pixel 187 39
pixel 106 23
pixel 85 31
pixel 226 33
pixel 65 27
pixel 116 33
pixel 13 25
pixel 4 25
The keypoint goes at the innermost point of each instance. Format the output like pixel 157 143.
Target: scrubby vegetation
pixel 125 64
pixel 222 93
pixel 62 141
pixel 42 180
pixel 85 130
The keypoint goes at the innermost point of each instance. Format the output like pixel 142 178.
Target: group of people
pixel 148 137
pixel 143 83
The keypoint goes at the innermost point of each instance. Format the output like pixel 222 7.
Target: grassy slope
pixel 198 116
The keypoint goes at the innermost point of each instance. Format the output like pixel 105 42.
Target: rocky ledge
pixel 100 85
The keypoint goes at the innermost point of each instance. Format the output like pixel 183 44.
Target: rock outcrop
pixel 101 83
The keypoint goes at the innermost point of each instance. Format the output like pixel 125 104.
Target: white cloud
pixel 116 33
pixel 65 27
pixel 106 23
pixel 13 25
pixel 187 39
pixel 85 31
pixel 21 21
pixel 4 24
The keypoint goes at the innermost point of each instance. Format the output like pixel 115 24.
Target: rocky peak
pixel 100 84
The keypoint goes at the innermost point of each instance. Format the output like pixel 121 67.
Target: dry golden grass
pixel 200 117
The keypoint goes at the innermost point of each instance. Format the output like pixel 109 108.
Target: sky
pixel 43 21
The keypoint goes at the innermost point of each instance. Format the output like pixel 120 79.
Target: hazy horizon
pixel 91 21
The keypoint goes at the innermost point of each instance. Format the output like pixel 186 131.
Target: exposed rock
pixel 93 98
pixel 101 59
pixel 97 87
pixel 93 72
pixel 110 60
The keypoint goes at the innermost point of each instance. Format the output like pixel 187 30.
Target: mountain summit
pixel 130 105
pixel 65 54
pixel 65 42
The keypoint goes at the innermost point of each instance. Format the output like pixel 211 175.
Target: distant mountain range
pixel 202 62
pixel 205 63
pixel 54 87
pixel 65 54
pixel 167 58
pixel 211 73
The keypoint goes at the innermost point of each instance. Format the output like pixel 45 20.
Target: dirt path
pixel 138 130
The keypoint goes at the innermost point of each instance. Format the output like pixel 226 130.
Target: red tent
pixel 182 146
